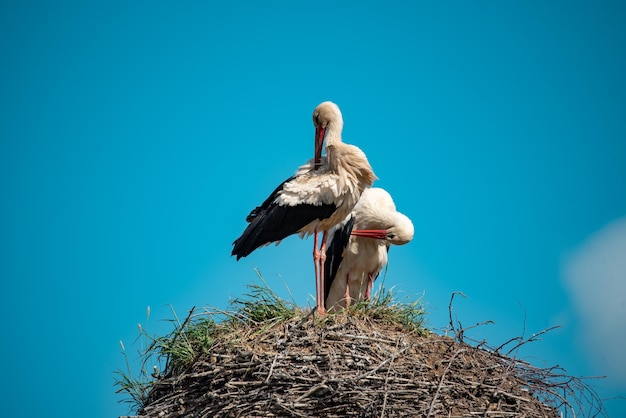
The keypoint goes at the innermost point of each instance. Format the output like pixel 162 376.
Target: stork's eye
pixel 391 235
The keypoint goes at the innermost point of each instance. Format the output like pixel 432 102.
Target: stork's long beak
pixel 370 233
pixel 319 142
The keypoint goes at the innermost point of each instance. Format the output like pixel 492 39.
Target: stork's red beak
pixel 319 142
pixel 370 233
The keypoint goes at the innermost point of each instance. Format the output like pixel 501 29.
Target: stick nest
pixel 269 358
pixel 349 366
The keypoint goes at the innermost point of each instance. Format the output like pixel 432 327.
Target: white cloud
pixel 595 275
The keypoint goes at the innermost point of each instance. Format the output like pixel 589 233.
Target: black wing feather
pixel 334 253
pixel 266 204
pixel 272 222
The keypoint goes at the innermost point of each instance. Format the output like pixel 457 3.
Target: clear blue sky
pixel 136 136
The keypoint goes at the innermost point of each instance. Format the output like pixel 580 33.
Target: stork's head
pixel 399 233
pixel 402 231
pixel 326 118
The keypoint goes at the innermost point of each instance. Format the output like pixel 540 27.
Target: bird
pixel 358 247
pixel 318 196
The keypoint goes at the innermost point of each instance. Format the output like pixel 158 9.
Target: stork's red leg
pixel 346 295
pixel 368 289
pixel 321 298
pixel 316 262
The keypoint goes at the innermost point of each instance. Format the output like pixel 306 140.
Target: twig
pixel 180 331
pixel 375 369
pixel 382 412
pixel 311 391
pixel 533 338
pixel 443 375
pixel 267 379
pixel 361 337
pixel 304 319
pixel 452 327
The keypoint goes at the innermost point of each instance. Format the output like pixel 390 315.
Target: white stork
pixel 320 195
pixel 358 247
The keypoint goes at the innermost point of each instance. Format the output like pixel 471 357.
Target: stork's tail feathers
pixel 244 245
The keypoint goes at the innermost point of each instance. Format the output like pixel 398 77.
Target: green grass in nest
pixel 385 306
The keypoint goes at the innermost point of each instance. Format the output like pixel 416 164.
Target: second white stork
pixel 320 195
pixel 358 247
